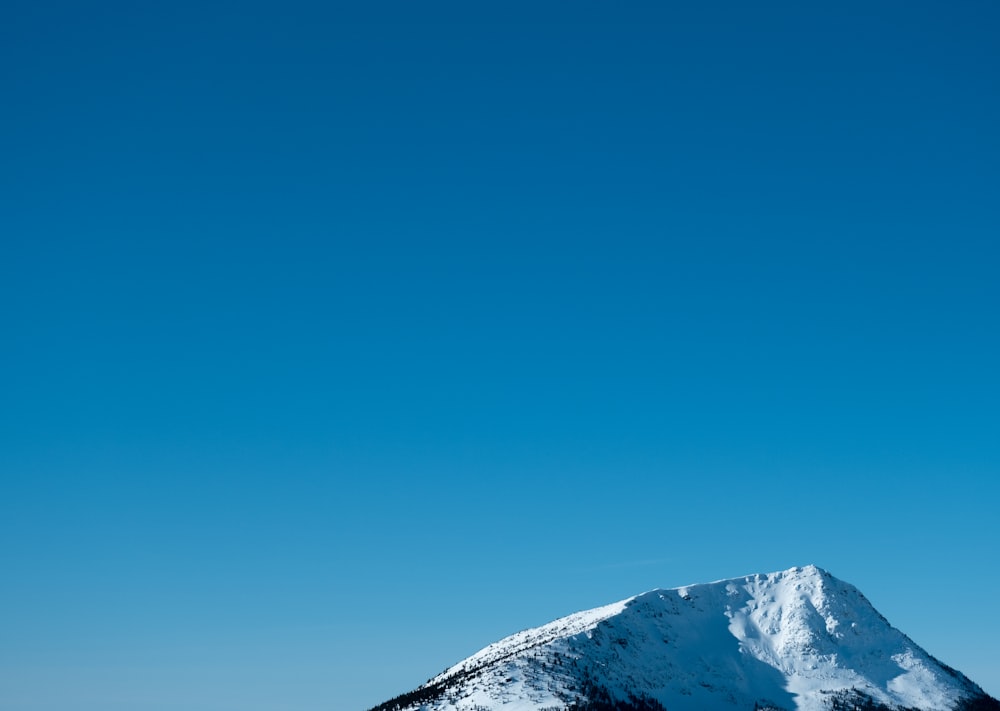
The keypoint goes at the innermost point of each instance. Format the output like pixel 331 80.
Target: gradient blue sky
pixel 340 342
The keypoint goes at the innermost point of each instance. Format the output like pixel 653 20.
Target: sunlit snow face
pixel 790 640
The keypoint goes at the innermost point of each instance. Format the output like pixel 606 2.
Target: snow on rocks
pixel 795 639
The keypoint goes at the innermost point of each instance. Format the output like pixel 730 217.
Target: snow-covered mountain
pixel 798 639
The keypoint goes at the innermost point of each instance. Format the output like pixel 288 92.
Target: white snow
pixel 527 639
pixel 786 639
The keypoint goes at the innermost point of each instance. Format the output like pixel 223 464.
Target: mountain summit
pixel 796 640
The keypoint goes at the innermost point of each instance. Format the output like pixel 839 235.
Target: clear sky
pixel 340 342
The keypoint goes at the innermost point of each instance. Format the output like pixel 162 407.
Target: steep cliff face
pixel 799 639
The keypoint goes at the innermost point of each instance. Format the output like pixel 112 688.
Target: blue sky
pixel 340 343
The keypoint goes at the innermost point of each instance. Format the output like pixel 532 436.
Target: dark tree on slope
pixel 978 703
pixel 854 700
pixel 597 698
pixel 423 695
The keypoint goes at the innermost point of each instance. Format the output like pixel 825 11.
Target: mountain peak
pixel 798 639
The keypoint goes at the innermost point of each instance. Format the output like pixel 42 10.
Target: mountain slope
pixel 798 639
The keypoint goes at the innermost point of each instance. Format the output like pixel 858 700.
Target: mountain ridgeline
pixel 796 640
